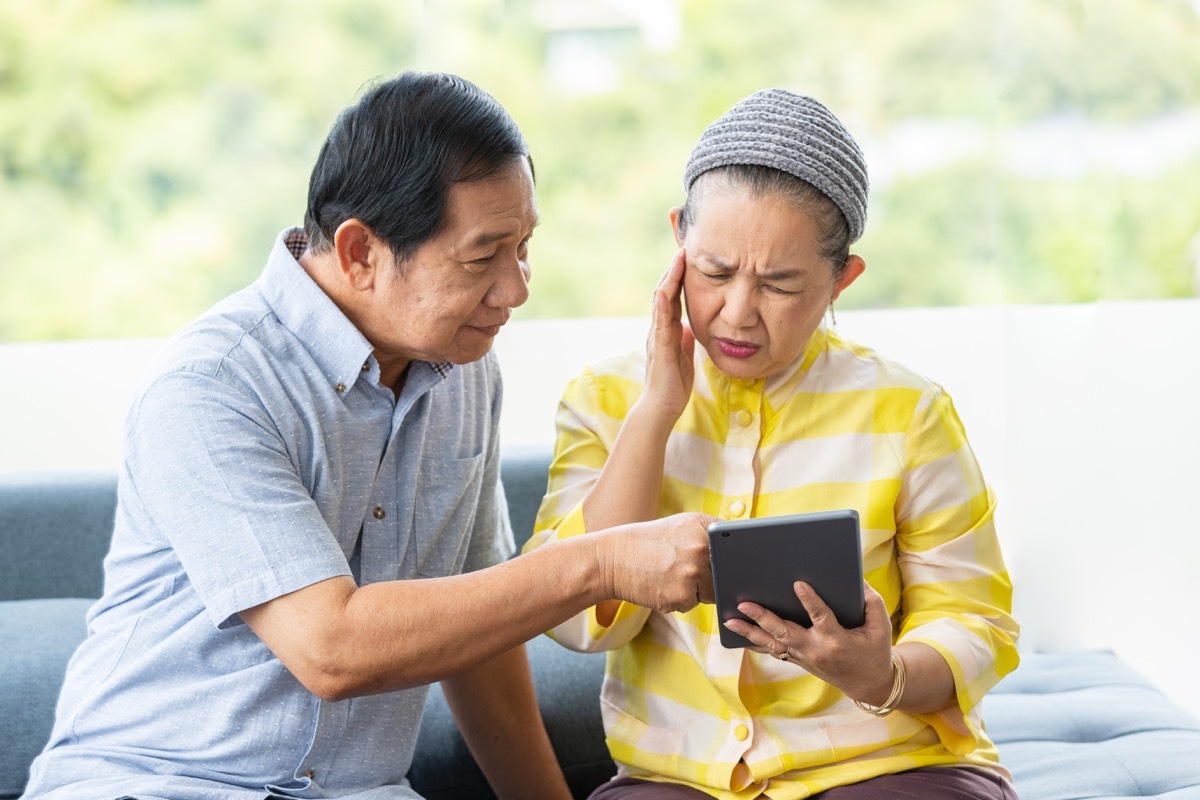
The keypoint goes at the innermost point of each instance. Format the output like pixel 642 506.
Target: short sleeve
pixel 209 468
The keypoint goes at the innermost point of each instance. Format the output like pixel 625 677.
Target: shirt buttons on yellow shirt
pixel 379 512
pixel 737 508
pixel 741 732
pixel 744 418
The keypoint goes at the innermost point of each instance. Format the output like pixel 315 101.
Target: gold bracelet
pixel 893 700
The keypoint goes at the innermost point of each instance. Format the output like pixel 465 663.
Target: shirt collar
pixel 781 384
pixel 302 307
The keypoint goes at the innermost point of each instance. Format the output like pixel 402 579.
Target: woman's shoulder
pixel 624 372
pixel 629 366
pixel 861 364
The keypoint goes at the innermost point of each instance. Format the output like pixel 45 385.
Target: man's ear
pixel 674 216
pixel 359 253
pixel 855 266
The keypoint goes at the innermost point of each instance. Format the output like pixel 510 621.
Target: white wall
pixel 1086 420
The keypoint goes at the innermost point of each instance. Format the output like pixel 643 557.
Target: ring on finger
pixel 784 655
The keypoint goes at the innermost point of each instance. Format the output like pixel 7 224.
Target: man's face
pixel 448 301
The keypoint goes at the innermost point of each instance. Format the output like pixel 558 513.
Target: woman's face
pixel 755 285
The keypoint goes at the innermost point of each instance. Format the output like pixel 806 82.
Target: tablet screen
pixel 758 560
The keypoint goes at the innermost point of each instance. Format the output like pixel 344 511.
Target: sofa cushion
pixel 568 690
pixel 1085 725
pixel 37 638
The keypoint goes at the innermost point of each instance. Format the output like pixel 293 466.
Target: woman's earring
pixel 832 316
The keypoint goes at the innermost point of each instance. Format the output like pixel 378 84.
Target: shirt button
pixel 366 366
pixel 379 512
pixel 744 418
pixel 341 387
pixel 737 508
pixel 741 732
pixel 309 774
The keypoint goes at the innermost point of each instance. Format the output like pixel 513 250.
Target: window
pixel 1022 151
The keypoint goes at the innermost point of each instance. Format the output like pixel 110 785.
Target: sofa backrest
pixel 55 527
pixel 523 471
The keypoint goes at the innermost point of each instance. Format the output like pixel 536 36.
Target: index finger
pixel 671 281
pixel 772 624
pixel 673 270
pixel 818 612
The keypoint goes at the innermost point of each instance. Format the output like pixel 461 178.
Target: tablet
pixel 758 560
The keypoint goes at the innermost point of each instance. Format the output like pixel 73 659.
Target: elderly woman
pixel 775 414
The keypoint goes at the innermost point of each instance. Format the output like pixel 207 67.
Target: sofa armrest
pixel 37 638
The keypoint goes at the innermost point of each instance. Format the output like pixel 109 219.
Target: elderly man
pixel 310 525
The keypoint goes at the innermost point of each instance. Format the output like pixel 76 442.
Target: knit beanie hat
pixel 794 134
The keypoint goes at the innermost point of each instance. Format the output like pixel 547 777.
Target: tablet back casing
pixel 758 560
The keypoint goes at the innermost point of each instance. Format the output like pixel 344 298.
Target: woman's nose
pixel 738 308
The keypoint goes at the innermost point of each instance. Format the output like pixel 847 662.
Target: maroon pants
pixel 926 783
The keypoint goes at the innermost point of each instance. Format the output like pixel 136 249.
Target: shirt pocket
pixel 447 500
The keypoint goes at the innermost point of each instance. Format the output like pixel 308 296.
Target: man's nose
pixel 511 288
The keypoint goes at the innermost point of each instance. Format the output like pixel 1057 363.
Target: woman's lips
pixel 735 349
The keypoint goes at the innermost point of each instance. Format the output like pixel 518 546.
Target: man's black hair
pixel 390 158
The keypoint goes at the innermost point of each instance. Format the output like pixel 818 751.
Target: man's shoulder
pixel 217 338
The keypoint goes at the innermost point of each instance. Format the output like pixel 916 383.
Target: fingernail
pixel 801 589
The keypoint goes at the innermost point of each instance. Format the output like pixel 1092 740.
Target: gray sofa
pixel 1070 725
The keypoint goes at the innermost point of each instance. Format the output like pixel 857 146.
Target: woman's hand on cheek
pixel 670 347
pixel 855 660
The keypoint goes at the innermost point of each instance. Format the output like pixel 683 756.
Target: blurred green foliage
pixel 150 150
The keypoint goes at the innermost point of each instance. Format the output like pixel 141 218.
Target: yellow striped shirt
pixel 841 428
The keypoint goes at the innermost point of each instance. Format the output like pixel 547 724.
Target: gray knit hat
pixel 794 134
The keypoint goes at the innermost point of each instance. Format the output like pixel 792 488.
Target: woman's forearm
pixel 929 683
pixel 630 484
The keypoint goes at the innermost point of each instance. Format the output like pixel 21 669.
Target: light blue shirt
pixel 262 455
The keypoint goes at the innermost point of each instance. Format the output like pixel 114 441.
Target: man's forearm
pixel 341 641
pixel 496 710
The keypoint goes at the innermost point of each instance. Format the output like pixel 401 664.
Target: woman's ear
pixel 855 266
pixel 674 216
pixel 357 250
